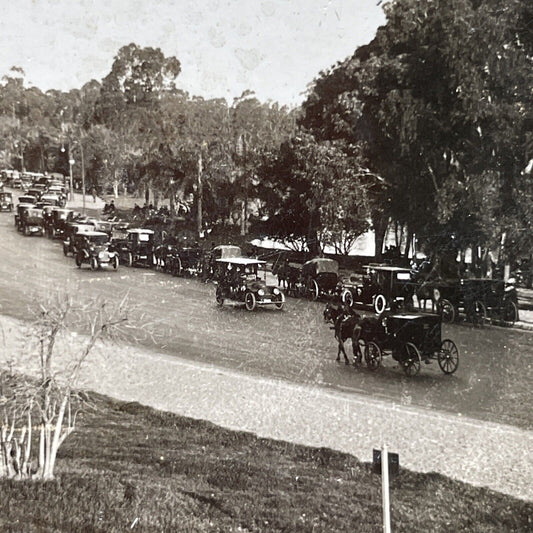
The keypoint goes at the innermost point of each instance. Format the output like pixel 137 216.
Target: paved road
pixel 179 317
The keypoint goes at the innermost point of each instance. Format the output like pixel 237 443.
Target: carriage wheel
pixel 249 301
pixel 478 314
pixel 373 355
pixel 380 304
pixel 411 362
pixel 510 312
pixel 448 356
pixel 347 297
pixel 312 290
pixel 218 297
pixel 446 310
pixel 281 303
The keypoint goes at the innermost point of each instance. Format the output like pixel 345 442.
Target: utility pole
pixel 200 194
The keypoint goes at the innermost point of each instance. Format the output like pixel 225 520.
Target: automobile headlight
pixel 101 255
pixel 261 292
pixel 275 291
pixel 243 288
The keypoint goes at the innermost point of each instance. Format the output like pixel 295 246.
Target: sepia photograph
pixel 266 266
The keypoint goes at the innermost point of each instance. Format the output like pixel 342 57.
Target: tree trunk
pixel 380 224
pixel 200 193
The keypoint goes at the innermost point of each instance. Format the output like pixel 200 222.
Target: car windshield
pixel 144 237
pixel 98 240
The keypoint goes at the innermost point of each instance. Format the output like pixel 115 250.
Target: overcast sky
pixel 273 47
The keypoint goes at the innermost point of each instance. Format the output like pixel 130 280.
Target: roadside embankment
pixel 493 455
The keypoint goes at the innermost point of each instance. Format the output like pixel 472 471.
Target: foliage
pixel 47 403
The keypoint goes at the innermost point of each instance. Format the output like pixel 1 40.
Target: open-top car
pixel 238 281
pixel 319 277
pixel 6 201
pixel 137 248
pixel 31 222
pixel 382 286
pixel 93 247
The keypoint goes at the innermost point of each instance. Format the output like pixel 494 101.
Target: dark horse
pixel 347 325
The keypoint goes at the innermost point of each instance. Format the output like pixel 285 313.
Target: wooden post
pixel 385 488
pixel 200 194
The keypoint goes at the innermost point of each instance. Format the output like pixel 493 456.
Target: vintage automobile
pixel 70 244
pixel 93 247
pixel 22 208
pixel 238 281
pixel 6 201
pixel 50 199
pixel 36 192
pixel 31 222
pixel 137 248
pixel 319 277
pixel 27 199
pixel 382 286
pixel 481 300
pixel 57 224
pixel 410 338
pixel 209 261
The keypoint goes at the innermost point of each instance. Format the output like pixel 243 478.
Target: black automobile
pixel 56 225
pixel 480 300
pixel 137 249
pixel 31 222
pixel 6 201
pixel 22 208
pixel 238 281
pixel 92 247
pixel 72 229
pixel 382 287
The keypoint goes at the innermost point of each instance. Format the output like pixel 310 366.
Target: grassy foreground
pixel 132 468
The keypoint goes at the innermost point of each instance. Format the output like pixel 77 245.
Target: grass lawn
pixel 132 468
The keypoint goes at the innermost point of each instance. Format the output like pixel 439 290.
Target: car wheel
pixel 78 261
pixel 249 301
pixel 115 262
pixel 347 297
pixel 65 250
pixel 94 263
pixel 130 259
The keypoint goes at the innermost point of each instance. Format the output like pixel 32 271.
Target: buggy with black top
pixel 319 278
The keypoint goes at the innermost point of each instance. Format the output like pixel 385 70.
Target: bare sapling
pixel 39 402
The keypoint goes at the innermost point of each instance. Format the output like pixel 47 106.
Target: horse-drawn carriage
pixel 409 337
pixel 383 286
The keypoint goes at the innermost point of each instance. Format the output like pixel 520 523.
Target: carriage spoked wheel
pixel 380 303
pixel 347 297
pixel 510 312
pixel 412 361
pixel 218 297
pixel 446 310
pixel 249 301
pixel 478 314
pixel 448 356
pixel 312 290
pixel 373 355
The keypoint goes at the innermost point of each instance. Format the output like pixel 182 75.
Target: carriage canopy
pixel 320 265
